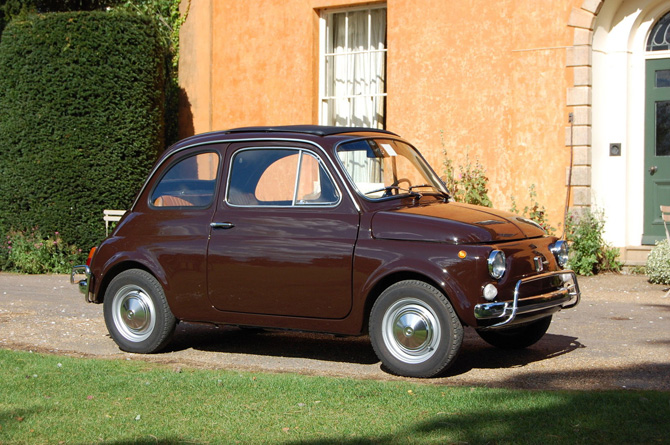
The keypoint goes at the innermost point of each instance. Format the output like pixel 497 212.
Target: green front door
pixel 657 148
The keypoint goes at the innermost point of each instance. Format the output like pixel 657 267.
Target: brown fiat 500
pixel 330 229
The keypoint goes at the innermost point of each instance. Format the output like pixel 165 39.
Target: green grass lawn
pixel 53 399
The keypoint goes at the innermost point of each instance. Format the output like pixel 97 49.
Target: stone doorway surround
pixel 579 97
pixel 579 134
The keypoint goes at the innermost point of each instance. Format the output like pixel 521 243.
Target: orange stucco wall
pixel 483 79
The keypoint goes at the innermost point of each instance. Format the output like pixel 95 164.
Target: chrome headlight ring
pixel 560 251
pixel 497 264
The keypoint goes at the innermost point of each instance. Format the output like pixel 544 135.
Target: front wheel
pixel 414 330
pixel 137 314
pixel 517 337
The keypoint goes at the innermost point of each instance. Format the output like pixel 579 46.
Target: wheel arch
pixel 114 271
pixel 396 277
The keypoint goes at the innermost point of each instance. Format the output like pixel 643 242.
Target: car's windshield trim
pixel 410 193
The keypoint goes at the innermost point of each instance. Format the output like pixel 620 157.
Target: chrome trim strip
pixel 221 225
pixel 297 180
pixel 234 141
pixel 545 301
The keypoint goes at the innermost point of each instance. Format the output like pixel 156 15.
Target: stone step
pixel 634 255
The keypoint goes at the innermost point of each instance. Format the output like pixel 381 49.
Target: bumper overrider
pixel 528 304
pixel 81 275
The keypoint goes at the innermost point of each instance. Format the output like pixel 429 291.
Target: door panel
pixel 657 148
pixel 276 257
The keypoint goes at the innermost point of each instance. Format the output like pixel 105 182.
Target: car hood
pixel 452 223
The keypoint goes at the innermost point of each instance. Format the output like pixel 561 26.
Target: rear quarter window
pixel 190 182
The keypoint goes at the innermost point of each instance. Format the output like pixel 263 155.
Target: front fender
pixel 461 279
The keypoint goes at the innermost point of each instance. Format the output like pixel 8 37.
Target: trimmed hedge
pixel 81 113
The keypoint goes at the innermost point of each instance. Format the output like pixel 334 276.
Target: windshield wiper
pixel 387 190
pixel 437 191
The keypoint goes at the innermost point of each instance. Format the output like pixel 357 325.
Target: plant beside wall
pixel 589 253
pixel 535 212
pixel 470 185
pixel 658 263
pixel 32 252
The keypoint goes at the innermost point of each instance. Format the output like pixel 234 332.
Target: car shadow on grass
pixel 475 353
pixel 274 343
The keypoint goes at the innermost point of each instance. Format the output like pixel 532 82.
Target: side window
pixel 279 177
pixel 314 186
pixel 190 182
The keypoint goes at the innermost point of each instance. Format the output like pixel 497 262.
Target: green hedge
pixel 81 113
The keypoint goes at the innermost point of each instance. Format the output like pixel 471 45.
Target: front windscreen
pixel 383 168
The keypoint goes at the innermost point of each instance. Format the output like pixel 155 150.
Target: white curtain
pixel 356 68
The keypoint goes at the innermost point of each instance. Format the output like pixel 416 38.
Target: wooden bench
pixel 111 216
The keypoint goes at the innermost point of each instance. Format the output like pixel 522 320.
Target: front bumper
pixel 81 275
pixel 564 297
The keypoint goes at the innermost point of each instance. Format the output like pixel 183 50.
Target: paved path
pixel 619 337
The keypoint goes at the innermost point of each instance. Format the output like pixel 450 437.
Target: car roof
pixel 317 130
pixel 297 131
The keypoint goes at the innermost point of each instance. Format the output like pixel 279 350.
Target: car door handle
pixel 221 225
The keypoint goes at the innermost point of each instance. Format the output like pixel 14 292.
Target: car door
pixel 283 238
pixel 170 225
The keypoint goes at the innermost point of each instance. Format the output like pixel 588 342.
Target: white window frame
pixel 324 31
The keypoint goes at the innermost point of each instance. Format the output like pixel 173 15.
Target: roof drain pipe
pixel 571 120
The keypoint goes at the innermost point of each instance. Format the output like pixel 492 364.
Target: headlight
pixel 497 264
pixel 560 251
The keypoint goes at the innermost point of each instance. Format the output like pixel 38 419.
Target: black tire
pixel 518 337
pixel 414 330
pixel 137 314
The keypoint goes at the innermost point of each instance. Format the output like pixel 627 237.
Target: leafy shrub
pixel 589 253
pixel 33 253
pixel 658 263
pixel 81 118
pixel 534 212
pixel 471 185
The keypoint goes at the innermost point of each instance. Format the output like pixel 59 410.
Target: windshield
pixel 383 168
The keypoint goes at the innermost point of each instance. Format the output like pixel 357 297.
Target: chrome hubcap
pixel 411 330
pixel 134 313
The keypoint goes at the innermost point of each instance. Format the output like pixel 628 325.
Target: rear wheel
pixel 137 314
pixel 518 337
pixel 414 330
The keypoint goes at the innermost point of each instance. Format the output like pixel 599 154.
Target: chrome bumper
pixel 559 299
pixel 81 275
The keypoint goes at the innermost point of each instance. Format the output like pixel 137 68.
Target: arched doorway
pixel 625 121
pixel 657 129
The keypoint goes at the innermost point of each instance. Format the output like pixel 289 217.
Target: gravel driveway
pixel 618 337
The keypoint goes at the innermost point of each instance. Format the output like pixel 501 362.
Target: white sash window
pixel 353 67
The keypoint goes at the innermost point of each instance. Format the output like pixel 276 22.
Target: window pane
pixel 659 38
pixel 358 31
pixel 378 30
pixel 315 186
pixel 663 128
pixel 662 78
pixel 277 184
pixel 336 40
pixel 189 182
pixel 263 177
